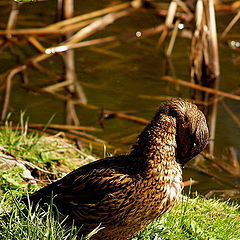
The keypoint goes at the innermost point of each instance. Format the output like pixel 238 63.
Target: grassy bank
pixel 28 161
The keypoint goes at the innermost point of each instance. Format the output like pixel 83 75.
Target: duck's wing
pixel 92 193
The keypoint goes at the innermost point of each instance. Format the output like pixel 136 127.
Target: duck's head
pixel 192 131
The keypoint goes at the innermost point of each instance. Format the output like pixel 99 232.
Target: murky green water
pixel 114 74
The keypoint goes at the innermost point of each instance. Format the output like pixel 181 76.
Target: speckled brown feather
pixel 125 193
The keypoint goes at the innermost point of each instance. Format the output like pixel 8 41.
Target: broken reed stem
pixel 88 16
pixel 89 30
pixel 64 127
pixel 46 31
pixel 54 126
pixel 166 98
pixel 168 22
pixel 57 86
pixel 36 43
pixel 144 33
pixel 231 24
pixel 173 39
pixel 67 25
pixel 220 98
pixel 205 61
pixel 232 7
pixel 201 88
pixel 214 42
pixel 12 20
pixel 214 67
pixel 127 117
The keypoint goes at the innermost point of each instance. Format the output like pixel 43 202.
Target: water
pixel 113 75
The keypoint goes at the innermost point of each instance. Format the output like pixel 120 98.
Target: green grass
pixel 47 152
pixel 196 219
pixel 21 222
pixel 193 218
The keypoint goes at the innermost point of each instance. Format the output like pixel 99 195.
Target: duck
pixel 124 193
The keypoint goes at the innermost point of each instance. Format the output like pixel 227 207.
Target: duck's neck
pixel 156 145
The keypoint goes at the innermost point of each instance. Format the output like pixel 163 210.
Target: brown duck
pixel 125 193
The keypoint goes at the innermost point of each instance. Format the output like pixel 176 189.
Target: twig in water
pixel 201 88
pixel 214 68
pixel 110 114
pixel 89 30
pixel 36 44
pixel 165 98
pixel 230 25
pixel 47 31
pixel 54 126
pixel 144 33
pixel 64 127
pixel 71 24
pixel 173 39
pixel 86 16
pixel 57 86
pixel 168 22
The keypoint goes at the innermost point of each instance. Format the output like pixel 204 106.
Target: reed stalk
pixel 205 62
pixel 88 16
pixel 88 30
pixel 168 22
pixel 201 88
pixel 230 25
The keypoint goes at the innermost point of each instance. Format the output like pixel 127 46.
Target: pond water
pixel 115 75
